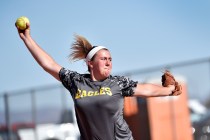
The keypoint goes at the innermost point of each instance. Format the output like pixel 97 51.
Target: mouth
pixel 107 69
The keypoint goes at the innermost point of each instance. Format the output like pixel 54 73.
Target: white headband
pixel 93 52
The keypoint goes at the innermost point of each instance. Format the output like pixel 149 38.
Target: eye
pixel 103 58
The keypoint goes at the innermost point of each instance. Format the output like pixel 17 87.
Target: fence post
pixel 33 108
pixel 7 118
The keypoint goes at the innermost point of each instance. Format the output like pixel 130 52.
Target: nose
pixel 108 62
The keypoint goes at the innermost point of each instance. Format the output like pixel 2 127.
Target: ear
pixel 90 64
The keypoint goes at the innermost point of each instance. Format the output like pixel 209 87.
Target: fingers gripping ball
pixel 168 79
pixel 21 22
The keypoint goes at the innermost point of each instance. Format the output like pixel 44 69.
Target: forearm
pixel 42 58
pixel 151 90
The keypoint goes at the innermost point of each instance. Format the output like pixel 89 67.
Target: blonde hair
pixel 79 48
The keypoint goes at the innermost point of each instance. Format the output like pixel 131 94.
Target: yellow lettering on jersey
pixel 102 92
pixel 78 94
pixel 96 93
pixel 84 93
pixel 108 91
pixel 90 93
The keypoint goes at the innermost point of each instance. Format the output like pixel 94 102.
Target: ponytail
pixel 80 48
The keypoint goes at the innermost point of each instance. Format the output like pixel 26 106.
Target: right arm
pixel 42 58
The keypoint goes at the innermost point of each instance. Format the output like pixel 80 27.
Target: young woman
pixel 98 96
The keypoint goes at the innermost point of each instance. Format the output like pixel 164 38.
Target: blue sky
pixel 139 34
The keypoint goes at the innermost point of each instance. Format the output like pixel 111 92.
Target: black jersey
pixel 99 105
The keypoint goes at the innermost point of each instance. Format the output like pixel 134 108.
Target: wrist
pixel 171 90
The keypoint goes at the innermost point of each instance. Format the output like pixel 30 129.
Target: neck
pixel 96 77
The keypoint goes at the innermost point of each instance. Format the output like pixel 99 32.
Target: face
pixel 101 65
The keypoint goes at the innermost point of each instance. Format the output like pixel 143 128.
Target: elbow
pixel 53 69
pixel 48 66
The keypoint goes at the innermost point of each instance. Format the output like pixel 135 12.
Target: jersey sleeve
pixel 127 85
pixel 67 78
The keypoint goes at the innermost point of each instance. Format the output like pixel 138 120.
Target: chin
pixel 106 74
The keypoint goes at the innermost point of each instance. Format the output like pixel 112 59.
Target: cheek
pixel 101 64
pixel 101 67
pixel 111 64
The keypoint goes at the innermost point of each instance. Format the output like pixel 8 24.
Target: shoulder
pixel 123 80
pixel 118 78
pixel 66 72
pixel 126 85
pixel 69 74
